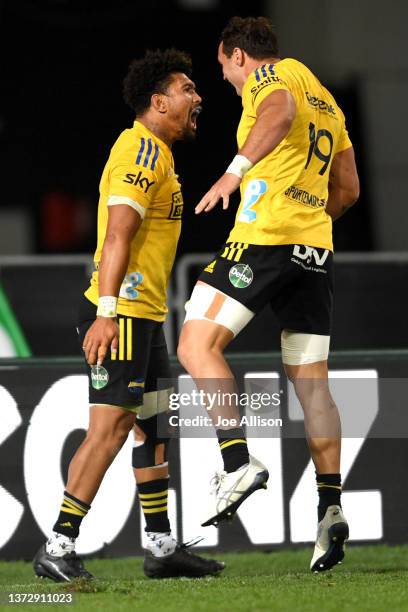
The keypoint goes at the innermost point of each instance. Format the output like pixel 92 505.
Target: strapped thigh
pixel 210 304
pixel 299 348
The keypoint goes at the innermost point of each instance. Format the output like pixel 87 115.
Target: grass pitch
pixel 372 578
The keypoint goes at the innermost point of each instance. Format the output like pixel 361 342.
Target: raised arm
pixel 274 117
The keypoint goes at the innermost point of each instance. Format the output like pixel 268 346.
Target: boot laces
pixel 217 481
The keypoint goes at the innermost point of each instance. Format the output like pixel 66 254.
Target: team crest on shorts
pixel 241 276
pixel 99 377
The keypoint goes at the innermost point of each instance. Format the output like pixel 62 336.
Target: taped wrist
pixel 239 166
pixel 107 305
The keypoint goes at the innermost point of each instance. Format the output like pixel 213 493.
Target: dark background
pixel 62 109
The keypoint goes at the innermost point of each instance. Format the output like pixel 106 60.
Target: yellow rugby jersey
pixel 140 173
pixel 283 196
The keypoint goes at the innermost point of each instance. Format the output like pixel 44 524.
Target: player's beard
pixel 189 126
pixel 190 129
pixel 188 134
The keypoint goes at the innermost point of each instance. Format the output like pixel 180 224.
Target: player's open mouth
pixel 193 117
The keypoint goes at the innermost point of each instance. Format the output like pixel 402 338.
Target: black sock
pixel 153 500
pixel 329 490
pixel 72 512
pixel 234 448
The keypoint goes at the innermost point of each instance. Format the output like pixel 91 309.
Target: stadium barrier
pixel 363 281
pixel 44 417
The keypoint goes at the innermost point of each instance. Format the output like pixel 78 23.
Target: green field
pixel 373 578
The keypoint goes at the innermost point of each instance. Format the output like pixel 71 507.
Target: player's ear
pixel 158 101
pixel 238 56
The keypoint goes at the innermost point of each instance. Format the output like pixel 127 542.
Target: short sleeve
pixel 262 82
pixel 135 182
pixel 344 140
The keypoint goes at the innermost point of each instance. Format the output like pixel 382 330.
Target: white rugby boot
pixel 231 489
pixel 332 532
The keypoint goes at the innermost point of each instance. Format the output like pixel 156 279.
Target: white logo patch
pixel 307 254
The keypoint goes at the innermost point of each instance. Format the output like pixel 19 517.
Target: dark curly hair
pixel 152 74
pixel 254 35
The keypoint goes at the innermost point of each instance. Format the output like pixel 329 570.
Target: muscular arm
pixel 274 118
pixel 344 186
pixel 123 223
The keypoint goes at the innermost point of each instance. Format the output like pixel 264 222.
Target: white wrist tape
pixel 107 305
pixel 239 166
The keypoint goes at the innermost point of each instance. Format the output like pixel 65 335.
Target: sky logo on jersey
pixel 241 276
pixel 149 152
pixel 99 377
pixel 138 180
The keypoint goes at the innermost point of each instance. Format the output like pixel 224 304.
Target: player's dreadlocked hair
pixel 151 74
pixel 254 35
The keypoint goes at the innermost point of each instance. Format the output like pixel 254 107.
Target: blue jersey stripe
pixel 148 153
pixel 264 71
pixel 139 155
pixel 156 155
pixel 257 76
pixel 271 69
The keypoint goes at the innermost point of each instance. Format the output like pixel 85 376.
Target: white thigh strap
pixel 298 348
pixel 209 304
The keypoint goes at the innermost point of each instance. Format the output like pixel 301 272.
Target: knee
pixel 111 438
pixel 196 346
pixel 311 390
pixel 183 351
pixel 150 450
pixel 120 435
pixel 189 350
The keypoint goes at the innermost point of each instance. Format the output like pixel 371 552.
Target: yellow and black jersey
pixel 283 196
pixel 140 173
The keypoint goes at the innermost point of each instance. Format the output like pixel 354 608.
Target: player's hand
pixel 102 336
pixel 222 189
